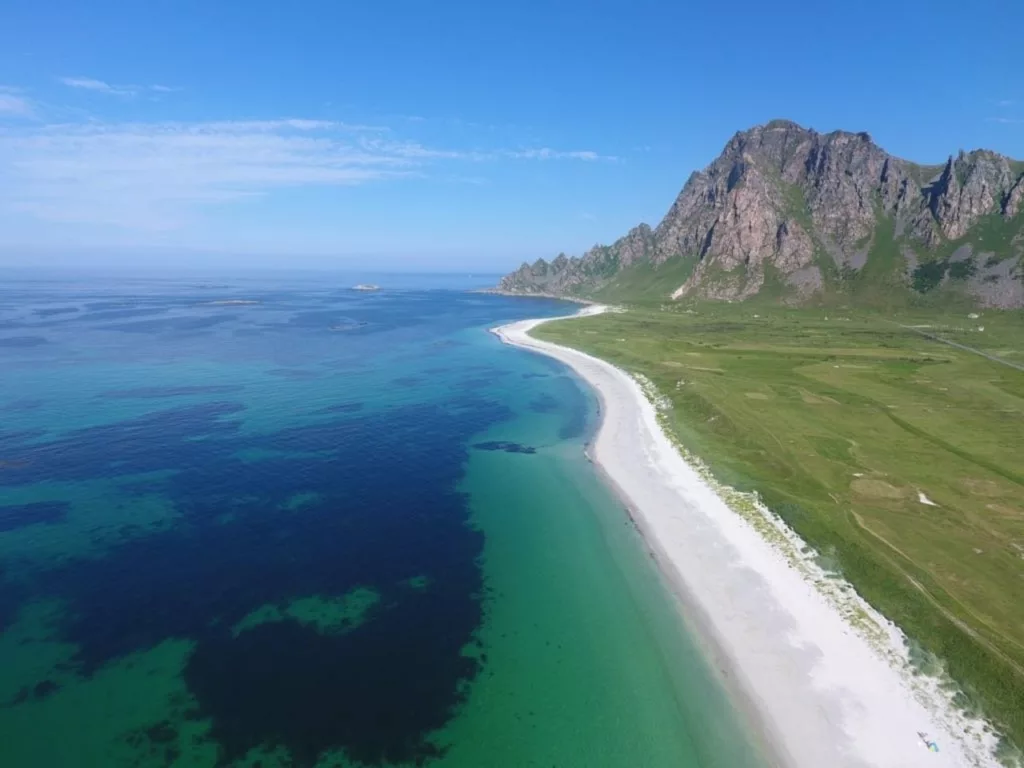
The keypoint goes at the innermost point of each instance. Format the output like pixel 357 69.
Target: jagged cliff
pixel 795 214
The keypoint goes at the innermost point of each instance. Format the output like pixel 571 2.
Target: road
pixel 964 347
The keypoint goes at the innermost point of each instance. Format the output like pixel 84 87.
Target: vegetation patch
pixel 865 412
pixel 875 489
pixel 929 276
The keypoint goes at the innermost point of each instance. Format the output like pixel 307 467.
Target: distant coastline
pixel 500 292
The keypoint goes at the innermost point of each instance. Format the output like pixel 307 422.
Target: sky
pixel 446 135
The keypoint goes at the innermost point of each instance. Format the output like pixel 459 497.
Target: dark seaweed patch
pixel 12 595
pixel 38 691
pixel 504 445
pixel 376 692
pixel 156 441
pixel 43 689
pixel 380 509
pixel 14 516
pixel 383 686
pixel 158 742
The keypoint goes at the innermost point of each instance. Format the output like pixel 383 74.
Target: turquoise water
pixel 284 523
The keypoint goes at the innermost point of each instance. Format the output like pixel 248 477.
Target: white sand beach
pixel 822 691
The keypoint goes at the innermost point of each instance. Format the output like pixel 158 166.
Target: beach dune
pixel 816 689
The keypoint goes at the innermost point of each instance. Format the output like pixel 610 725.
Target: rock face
pixel 802 213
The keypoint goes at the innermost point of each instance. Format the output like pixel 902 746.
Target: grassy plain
pixel 898 457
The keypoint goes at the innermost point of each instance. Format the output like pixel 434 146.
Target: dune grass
pixel 899 457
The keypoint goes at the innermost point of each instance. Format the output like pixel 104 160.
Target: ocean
pixel 272 521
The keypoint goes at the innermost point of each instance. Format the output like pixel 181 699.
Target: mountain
pixel 791 214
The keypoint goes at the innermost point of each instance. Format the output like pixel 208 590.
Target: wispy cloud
pixel 102 86
pixel 1005 120
pixel 1005 103
pixel 12 103
pixel 160 175
pixel 271 126
pixel 414 151
pixel 154 176
pixel 546 153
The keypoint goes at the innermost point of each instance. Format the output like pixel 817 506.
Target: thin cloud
pixel 418 151
pixel 1005 103
pixel 154 176
pixel 102 86
pixel 412 150
pixel 1006 120
pixel 270 126
pixel 546 153
pixel 91 84
pixel 256 126
pixel 11 103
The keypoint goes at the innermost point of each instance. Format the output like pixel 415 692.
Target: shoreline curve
pixel 814 690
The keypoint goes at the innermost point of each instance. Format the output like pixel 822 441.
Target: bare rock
pixel 998 284
pixel 1014 202
pixel 807 281
pixel 784 196
pixel 971 186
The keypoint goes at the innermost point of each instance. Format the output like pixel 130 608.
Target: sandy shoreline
pixel 820 692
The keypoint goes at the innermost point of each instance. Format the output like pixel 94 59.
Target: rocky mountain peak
pixel 789 203
pixel 972 185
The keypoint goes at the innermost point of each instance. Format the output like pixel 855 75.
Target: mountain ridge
pixel 796 215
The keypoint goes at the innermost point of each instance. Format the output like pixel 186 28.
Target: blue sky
pixel 446 135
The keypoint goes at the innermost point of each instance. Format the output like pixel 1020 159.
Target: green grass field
pixel 842 421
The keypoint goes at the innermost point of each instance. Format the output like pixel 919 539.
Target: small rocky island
pixel 366 287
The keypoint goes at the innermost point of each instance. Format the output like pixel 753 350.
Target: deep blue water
pixel 175 456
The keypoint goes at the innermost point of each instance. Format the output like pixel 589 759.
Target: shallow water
pixel 285 523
